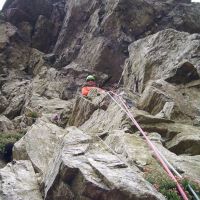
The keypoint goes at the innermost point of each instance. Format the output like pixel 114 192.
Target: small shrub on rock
pixel 167 187
pixel 33 114
pixel 7 141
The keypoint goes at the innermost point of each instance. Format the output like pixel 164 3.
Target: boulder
pixel 14 50
pixel 167 55
pixel 7 31
pixel 15 91
pixel 36 62
pixel 82 110
pixel 38 145
pixel 18 181
pixel 185 142
pixel 102 121
pixel 165 100
pixel 84 107
pixel 115 118
pixel 43 105
pixel 5 124
pixel 132 147
pixel 178 138
pixel 3 103
pixel 186 165
pixel 136 152
pixel 90 172
pixel 38 106
pixel 51 83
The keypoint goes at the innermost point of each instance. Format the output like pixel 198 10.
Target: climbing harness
pixel 166 165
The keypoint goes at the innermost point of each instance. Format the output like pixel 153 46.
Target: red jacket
pixel 85 90
pixel 89 85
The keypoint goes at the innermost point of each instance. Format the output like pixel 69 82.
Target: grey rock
pixel 14 55
pixel 176 103
pixel 160 86
pixel 41 104
pixel 17 11
pixel 183 17
pixel 5 124
pixel 35 62
pixel 115 118
pixel 15 91
pixel 187 165
pixel 185 142
pixel 196 121
pixel 164 54
pixel 3 103
pixel 137 152
pixel 91 173
pixel 18 181
pixel 166 111
pixel 84 107
pixel 43 35
pixel 38 145
pixel 50 58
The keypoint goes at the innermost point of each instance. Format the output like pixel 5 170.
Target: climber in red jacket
pixel 90 84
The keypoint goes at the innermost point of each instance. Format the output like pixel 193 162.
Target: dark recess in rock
pixel 184 74
pixel 7 154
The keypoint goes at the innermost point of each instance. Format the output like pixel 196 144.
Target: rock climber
pixel 90 84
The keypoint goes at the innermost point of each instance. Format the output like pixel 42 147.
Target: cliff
pixel 94 151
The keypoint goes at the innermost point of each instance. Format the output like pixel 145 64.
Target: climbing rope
pixel 164 159
pixel 151 145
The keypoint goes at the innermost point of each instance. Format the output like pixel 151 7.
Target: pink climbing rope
pixel 170 174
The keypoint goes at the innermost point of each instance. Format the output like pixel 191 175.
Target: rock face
pixel 44 17
pixel 87 148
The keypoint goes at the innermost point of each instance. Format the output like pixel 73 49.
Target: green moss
pixel 7 138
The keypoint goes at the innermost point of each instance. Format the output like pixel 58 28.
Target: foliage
pixel 195 186
pixel 33 114
pixel 167 187
pixel 8 138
